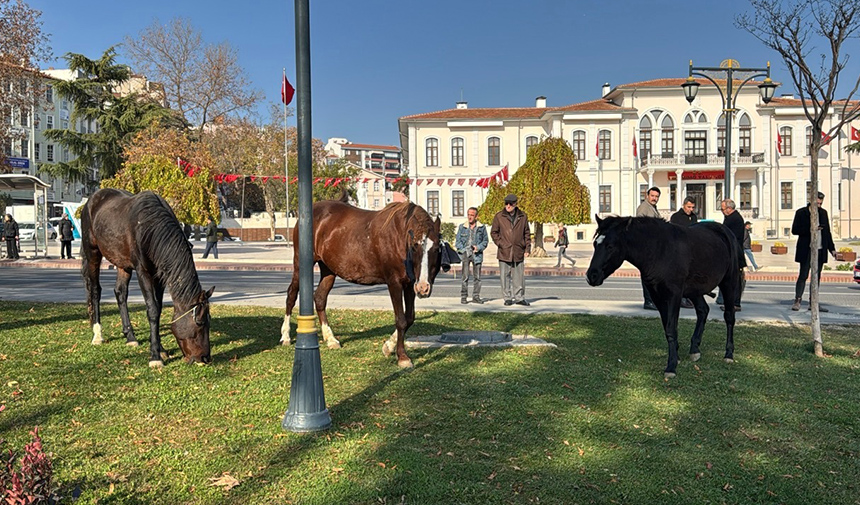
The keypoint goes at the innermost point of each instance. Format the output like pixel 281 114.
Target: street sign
pixel 18 162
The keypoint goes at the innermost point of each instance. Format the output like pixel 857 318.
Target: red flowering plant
pixel 31 482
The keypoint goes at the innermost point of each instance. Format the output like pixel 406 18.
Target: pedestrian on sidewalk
pixel 685 217
pixel 748 247
pixel 211 239
pixel 10 233
pixel 735 223
pixel 66 237
pixel 470 243
pixel 511 234
pixel 562 242
pixel 648 208
pixel 801 227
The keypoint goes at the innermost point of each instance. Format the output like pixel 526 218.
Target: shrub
pixel 32 482
pixel 449 232
pixel 845 267
pixel 755 242
pixel 778 244
pixel 845 250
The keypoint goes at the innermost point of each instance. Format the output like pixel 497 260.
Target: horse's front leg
pixel 153 313
pixel 120 290
pixel 327 279
pixel 396 342
pixel 669 305
pixel 292 296
pixel 90 270
pixel 702 310
pixel 730 294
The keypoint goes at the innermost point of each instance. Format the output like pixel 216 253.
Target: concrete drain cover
pixel 474 337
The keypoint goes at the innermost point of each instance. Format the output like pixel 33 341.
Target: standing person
pixel 10 233
pixel 211 239
pixel 800 227
pixel 511 234
pixel 470 244
pixel 562 242
pixel 748 246
pixel 66 238
pixel 735 223
pixel 648 208
pixel 685 217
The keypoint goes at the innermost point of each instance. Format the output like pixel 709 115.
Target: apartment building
pixel 636 136
pixel 383 160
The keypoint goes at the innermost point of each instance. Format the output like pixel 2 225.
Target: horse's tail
pixel 86 226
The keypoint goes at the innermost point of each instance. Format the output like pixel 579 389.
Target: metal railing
pixel 700 159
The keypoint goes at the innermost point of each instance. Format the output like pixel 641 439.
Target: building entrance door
pixel 697 193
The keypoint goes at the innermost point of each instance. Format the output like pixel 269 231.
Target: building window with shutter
pixel 432 153
pixel 458 200
pixel 458 158
pixel 433 203
pixel 494 151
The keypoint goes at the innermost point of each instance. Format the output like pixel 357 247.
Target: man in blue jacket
pixel 471 241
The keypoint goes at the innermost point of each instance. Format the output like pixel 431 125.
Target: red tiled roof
pixel 797 102
pixel 488 113
pixel 600 104
pixel 674 81
pixel 369 146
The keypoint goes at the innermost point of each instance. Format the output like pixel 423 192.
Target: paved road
pixel 763 300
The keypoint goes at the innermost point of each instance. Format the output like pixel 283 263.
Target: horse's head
pixel 609 249
pixel 423 259
pixel 191 329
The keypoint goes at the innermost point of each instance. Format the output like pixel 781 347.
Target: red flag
pixel 460 182
pixel 418 182
pixel 779 143
pixel 471 182
pixel 597 147
pixel 635 148
pixel 287 91
pixel 439 182
pixel 428 181
pixel 855 134
pixel 505 174
pixel 450 182
pixel 825 139
pixel 295 180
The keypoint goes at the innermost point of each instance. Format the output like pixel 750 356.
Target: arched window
pixel 494 151
pixel 667 137
pixel 578 144
pixel 688 119
pixel 604 145
pixel 431 152
pixel 644 138
pixel 531 140
pixel 745 136
pixel 784 142
pixel 458 151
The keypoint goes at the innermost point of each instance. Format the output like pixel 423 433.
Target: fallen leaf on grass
pixel 492 475
pixel 226 481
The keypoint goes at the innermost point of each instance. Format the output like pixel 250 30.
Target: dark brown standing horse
pixel 140 233
pixel 674 262
pixel 398 246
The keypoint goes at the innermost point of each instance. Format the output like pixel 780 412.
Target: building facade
pixel 384 160
pixel 636 136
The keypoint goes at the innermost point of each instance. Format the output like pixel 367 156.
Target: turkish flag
pixel 287 91
pixel 779 143
pixel 825 139
pixel 855 134
pixel 635 148
pixel 505 174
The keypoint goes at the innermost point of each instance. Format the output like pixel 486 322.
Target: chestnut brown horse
pixel 398 246
pixel 139 233
pixel 674 262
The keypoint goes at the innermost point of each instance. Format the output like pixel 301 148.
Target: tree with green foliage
pixel 117 118
pixel 547 188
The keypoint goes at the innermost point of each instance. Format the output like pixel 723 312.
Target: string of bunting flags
pixel 501 177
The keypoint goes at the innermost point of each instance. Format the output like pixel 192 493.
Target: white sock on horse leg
pixel 328 337
pixel 285 330
pixel 97 334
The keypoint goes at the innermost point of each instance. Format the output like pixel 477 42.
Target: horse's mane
pixel 411 212
pixel 161 238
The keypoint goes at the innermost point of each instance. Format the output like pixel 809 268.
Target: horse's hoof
pixel 668 375
pixel 156 364
pixel 97 341
pixel 386 349
pixel 729 360
pixel 132 343
pixel 333 344
pixel 405 363
pixel 696 356
pixel 285 341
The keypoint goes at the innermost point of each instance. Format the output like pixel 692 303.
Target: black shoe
pixel 464 301
pixel 509 302
pixel 650 306
pixel 523 303
pixel 686 303
pixel 478 300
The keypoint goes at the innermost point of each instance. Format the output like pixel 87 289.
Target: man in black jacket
pixel 66 237
pixel 735 223
pixel 801 227
pixel 685 217
pixel 10 233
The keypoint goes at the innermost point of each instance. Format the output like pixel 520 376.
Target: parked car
pixel 857 271
pixel 26 231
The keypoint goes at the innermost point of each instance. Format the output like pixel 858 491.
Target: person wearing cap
pixel 801 227
pixel 511 234
pixel 748 247
pixel 735 223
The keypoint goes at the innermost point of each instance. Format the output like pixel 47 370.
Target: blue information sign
pixel 18 162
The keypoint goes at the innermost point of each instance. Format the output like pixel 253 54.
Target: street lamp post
pixel 729 67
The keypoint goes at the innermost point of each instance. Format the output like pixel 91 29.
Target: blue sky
pixel 374 61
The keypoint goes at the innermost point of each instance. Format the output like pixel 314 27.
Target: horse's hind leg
pixel 292 295
pixel 90 270
pixel 702 310
pixel 730 287
pixel 123 277
pixel 327 279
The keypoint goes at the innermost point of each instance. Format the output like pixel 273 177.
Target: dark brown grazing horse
pixel 140 233
pixel 674 262
pixel 397 246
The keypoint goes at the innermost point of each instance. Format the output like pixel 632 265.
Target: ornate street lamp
pixel 729 67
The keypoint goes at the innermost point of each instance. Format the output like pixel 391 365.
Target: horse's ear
pixel 629 222
pixel 597 218
pixel 209 293
pixel 438 225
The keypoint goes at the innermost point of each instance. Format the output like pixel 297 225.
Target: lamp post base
pixel 307 411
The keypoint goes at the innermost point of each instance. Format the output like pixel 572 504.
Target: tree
pixel 201 81
pixel 118 118
pixel 793 29
pixel 152 165
pixel 402 184
pixel 22 47
pixel 547 188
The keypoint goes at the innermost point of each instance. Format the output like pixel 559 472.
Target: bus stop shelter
pixel 31 185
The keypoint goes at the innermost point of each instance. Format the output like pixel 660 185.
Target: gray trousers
pixel 513 280
pixel 563 254
pixel 464 277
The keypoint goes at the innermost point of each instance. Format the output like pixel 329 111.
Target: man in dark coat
pixel 800 227
pixel 735 223
pixel 211 239
pixel 511 234
pixel 10 233
pixel 66 237
pixel 648 208
pixel 685 217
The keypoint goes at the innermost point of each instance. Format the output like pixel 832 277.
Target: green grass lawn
pixel 592 421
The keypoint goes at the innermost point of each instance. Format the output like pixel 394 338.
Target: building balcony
pixel 713 159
